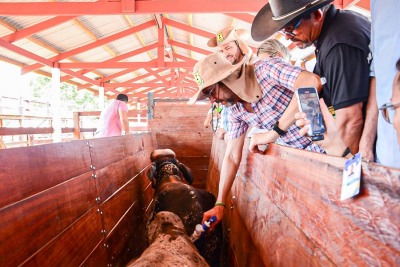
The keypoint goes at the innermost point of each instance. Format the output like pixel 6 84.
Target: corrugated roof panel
pixel 13 56
pixel 66 36
pixel 212 23
pixel 150 35
pixel 183 18
pixel 97 54
pixel 127 44
pixel 142 57
pixel 35 48
pixel 4 30
pixel 21 22
pixel 103 26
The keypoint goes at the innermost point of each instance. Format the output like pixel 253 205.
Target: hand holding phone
pixel 308 102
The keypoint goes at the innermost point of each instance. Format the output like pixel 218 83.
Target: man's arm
pixel 370 125
pixel 305 79
pixel 207 121
pixel 347 70
pixel 123 117
pixel 230 165
pixel 350 123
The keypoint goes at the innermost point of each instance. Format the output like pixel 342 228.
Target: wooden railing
pixel 82 126
pixel 284 209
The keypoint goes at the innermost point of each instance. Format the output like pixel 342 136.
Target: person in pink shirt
pixel 114 118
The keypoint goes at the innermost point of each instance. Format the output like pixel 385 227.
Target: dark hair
pixel 122 97
pixel 398 64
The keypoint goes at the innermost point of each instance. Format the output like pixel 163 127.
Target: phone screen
pixel 308 101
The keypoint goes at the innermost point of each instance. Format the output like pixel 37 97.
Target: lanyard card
pixel 351 177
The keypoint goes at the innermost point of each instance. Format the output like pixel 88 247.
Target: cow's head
pixel 166 164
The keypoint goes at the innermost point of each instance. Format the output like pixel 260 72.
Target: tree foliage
pixel 71 99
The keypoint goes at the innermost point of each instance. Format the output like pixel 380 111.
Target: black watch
pixel 278 130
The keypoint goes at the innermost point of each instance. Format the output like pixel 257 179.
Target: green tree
pixel 71 99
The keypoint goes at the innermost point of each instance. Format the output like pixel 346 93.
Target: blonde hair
pixel 272 47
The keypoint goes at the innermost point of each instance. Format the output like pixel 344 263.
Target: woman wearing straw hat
pixel 342 39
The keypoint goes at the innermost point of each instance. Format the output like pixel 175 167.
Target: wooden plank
pixel 241 249
pixel 272 231
pixel 187 150
pixel 115 207
pixel 111 178
pixel 103 154
pixel 292 197
pixel 28 225
pixel 73 246
pixel 26 171
pixel 172 110
pixel 99 257
pixel 177 123
pixel 127 240
pixel 177 137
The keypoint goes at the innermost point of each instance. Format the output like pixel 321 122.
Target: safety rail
pixel 26 130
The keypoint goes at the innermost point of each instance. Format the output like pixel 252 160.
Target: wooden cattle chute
pixel 285 210
pixel 74 203
pixel 180 127
pixel 85 202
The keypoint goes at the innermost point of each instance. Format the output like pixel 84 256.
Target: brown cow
pixel 169 245
pixel 173 194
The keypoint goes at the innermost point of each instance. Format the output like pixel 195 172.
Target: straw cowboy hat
pixel 240 77
pixel 278 14
pixel 230 34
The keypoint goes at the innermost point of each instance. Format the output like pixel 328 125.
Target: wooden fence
pixel 82 126
pixel 78 203
pixel 285 210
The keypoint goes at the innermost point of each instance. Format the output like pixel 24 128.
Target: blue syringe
pixel 200 229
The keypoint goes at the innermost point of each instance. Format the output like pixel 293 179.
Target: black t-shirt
pixel 346 70
pixel 342 51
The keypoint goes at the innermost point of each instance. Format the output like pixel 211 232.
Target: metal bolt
pixel 94 176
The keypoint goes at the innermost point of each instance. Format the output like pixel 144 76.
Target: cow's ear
pixel 151 172
pixel 187 173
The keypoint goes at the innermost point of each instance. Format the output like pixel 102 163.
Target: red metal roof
pixel 129 46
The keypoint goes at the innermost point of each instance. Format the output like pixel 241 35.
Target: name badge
pixel 351 177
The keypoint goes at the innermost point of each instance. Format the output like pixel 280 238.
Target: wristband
pixel 278 130
pixel 220 204
pixel 346 152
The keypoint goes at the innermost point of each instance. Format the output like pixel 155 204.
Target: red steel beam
pixel 188 28
pixel 26 32
pixel 118 58
pixel 118 7
pixel 124 65
pixel 95 44
pixel 242 16
pixel 146 84
pixel 189 47
pixel 25 53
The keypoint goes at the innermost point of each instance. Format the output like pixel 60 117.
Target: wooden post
pixel 30 139
pixel 150 105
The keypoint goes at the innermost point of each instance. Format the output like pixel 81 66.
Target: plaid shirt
pixel 276 79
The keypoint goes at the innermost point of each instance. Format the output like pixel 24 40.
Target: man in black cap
pixel 342 42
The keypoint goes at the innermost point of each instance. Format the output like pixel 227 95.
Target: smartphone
pixel 308 101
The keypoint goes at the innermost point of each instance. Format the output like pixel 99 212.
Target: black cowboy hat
pixel 278 14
